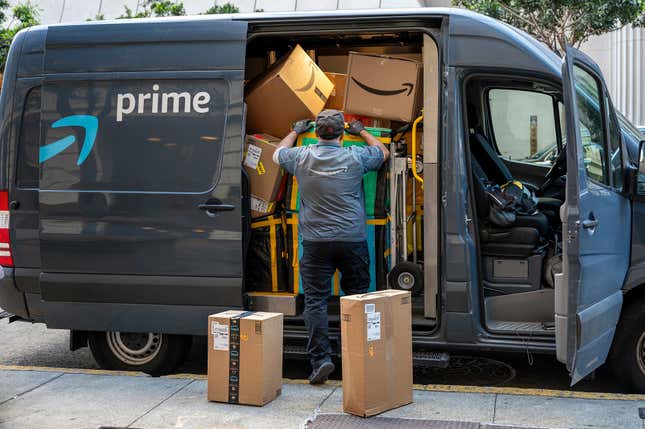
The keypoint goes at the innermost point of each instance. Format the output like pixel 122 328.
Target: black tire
pixel 154 354
pixel 627 356
pixel 406 276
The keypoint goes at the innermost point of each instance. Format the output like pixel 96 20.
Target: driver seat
pixel 498 173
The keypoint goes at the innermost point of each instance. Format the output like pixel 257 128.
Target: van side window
pixel 523 125
pixel 592 131
pixel 28 141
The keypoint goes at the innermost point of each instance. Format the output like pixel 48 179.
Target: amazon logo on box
pixel 383 87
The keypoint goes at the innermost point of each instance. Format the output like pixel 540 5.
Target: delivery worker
pixel 332 219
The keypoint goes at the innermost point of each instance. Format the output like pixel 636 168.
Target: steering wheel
pixel 558 168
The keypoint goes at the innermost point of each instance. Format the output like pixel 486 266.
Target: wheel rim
pixel 405 281
pixel 640 353
pixel 134 348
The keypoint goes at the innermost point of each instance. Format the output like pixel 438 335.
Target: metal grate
pixel 344 421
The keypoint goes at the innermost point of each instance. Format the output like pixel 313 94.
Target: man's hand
pixel 301 126
pixel 355 127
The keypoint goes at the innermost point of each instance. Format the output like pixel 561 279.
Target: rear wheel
pixel 152 353
pixel 627 358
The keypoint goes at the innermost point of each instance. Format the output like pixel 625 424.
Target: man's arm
pixel 356 128
pixel 289 140
pixel 373 141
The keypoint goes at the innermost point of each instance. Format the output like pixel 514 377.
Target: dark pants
pixel 319 261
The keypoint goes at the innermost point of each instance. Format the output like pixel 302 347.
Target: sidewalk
pixel 61 398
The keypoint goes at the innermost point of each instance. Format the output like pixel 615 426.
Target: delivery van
pixel 128 216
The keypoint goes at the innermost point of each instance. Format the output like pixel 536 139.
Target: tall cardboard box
pixel 381 86
pixel 244 357
pixel 294 88
pixel 265 176
pixel 337 97
pixel 376 340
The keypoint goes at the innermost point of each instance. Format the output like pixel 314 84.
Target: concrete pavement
pixel 39 397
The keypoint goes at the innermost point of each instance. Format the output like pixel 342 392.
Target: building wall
pixel 622 60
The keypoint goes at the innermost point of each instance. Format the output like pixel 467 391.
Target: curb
pixel 444 388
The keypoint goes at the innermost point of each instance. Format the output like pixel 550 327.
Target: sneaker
pixel 319 375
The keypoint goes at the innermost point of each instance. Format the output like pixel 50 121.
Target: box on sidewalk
pixel 383 87
pixel 294 88
pixel 244 357
pixel 376 339
pixel 265 176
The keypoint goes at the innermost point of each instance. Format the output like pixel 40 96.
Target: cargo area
pixel 377 78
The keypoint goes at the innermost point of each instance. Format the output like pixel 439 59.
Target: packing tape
pixel 234 357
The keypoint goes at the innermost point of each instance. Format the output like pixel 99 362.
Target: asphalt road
pixel 29 344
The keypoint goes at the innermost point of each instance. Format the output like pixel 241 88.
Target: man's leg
pixel 316 269
pixel 353 261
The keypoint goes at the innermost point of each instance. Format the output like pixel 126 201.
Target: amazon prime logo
pixel 89 123
pixel 407 86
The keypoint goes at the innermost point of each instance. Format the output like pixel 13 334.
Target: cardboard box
pixel 294 88
pixel 376 339
pixel 265 176
pixel 337 97
pixel 244 357
pixel 383 87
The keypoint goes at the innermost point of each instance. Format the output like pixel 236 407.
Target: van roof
pixel 475 39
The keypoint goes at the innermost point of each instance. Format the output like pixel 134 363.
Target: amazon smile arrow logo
pixel 407 86
pixel 91 126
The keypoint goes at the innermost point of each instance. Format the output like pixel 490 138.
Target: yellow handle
pixel 414 149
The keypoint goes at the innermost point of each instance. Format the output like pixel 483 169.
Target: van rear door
pixel 140 184
pixel 596 222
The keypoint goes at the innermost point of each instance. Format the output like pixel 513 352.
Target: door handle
pixel 589 223
pixel 216 207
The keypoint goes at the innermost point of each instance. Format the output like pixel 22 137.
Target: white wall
pixel 622 60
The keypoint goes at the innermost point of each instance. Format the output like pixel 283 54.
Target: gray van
pixel 125 213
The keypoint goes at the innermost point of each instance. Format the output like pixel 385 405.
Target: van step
pixel 431 359
pixel 425 359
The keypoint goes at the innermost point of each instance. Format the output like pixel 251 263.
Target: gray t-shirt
pixel 332 205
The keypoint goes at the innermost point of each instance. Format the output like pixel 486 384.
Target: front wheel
pixel 152 353
pixel 627 357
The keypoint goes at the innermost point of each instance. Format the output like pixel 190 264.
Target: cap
pixel 330 124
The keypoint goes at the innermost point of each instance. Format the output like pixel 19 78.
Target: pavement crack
pixel 182 387
pixel 315 412
pixel 494 408
pixel 32 389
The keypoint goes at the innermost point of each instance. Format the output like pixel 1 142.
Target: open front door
pixel 596 222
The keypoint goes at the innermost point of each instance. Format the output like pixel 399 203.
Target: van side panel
pixel 141 126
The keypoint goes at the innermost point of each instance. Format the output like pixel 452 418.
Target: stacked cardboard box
pixel 376 342
pixel 383 86
pixel 265 176
pixel 293 88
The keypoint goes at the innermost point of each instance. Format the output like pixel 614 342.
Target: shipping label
pixel 220 336
pixel 369 308
pixel 252 157
pixel 373 322
pixel 259 205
